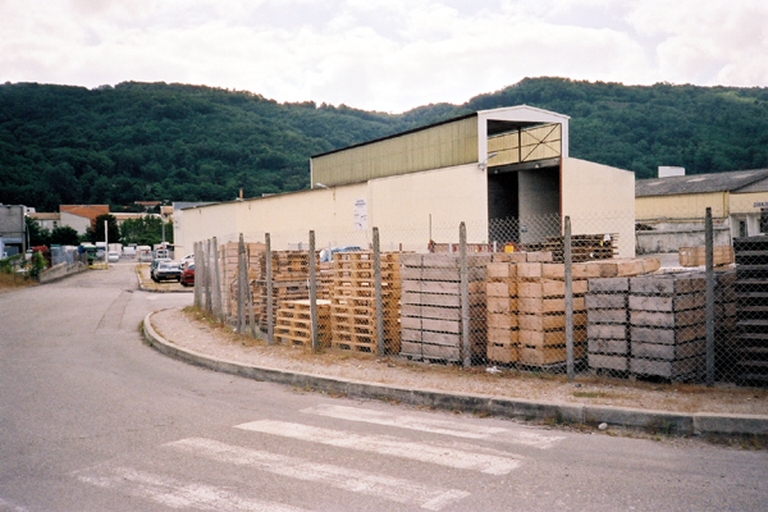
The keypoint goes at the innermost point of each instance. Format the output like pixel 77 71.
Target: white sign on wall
pixel 361 215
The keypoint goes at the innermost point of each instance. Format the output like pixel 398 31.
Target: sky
pixel 382 55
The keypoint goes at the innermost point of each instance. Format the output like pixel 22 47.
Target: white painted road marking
pixel 436 426
pixel 174 493
pixel 387 445
pixel 394 489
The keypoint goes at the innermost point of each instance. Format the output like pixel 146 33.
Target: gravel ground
pixel 188 330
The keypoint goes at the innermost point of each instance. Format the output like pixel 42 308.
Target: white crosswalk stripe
pixel 436 426
pixel 449 447
pixel 387 445
pixel 174 493
pixel 394 489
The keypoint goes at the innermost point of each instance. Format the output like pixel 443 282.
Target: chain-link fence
pixel 526 294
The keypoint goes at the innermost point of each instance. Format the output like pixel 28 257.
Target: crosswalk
pixel 452 445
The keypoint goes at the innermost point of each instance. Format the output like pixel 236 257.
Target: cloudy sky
pixel 384 55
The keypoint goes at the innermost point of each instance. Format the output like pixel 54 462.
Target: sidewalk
pixel 654 408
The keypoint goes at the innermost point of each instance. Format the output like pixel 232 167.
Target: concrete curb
pixel 657 422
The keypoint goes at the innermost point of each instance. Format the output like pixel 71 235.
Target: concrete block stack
pixel 431 316
pixel 607 321
pixel 667 325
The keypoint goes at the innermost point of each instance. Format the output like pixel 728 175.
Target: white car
pixel 113 256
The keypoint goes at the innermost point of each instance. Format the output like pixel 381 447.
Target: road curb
pixel 657 422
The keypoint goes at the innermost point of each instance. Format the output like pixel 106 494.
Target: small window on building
pixel 742 228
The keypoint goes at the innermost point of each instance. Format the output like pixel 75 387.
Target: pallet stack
pixel 607 321
pixel 667 326
pixel 431 306
pixel 228 263
pixel 726 321
pixel 290 275
pixel 583 247
pixel 502 304
pixel 541 309
pixel 722 255
pixel 752 291
pixel 353 302
pixel 294 323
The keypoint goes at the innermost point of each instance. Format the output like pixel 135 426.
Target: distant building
pixel 81 217
pixel 500 171
pixel 670 210
pixel 13 230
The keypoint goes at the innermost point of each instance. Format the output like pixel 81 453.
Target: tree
pixel 146 230
pixel 97 235
pixel 37 234
pixel 65 235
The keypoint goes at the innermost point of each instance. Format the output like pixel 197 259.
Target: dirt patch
pixel 190 330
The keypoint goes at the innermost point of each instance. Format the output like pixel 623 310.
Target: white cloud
pixel 387 55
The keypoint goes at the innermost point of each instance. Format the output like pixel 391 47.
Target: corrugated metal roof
pixel 699 183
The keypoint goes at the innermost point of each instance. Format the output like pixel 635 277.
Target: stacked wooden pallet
pixel 228 264
pixel 502 307
pixel 290 281
pixel 752 291
pixel 294 323
pixel 583 247
pixel 722 255
pixel 667 325
pixel 431 316
pixel 353 302
pixel 541 307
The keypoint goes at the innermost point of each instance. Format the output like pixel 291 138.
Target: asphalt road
pixel 93 419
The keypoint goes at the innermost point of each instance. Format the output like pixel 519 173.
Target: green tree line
pixel 171 142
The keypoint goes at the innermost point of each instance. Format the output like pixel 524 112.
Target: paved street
pixel 93 419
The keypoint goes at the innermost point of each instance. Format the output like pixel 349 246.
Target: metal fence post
pixel 312 291
pixel 378 294
pixel 268 284
pixel 710 296
pixel 466 346
pixel 568 276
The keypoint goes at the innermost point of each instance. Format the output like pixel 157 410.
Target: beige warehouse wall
pixel 600 199
pixel 750 203
pixel 400 206
pixel 404 206
pixel 681 207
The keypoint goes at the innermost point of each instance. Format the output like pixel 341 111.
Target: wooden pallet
pixel 294 323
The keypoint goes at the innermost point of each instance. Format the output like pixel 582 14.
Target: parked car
pixel 186 259
pixel 167 271
pixel 188 274
pixel 113 256
pixel 153 266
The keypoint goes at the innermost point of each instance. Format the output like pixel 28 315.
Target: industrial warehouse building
pixel 670 209
pixel 416 187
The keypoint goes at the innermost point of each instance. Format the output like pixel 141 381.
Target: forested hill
pixel 140 142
